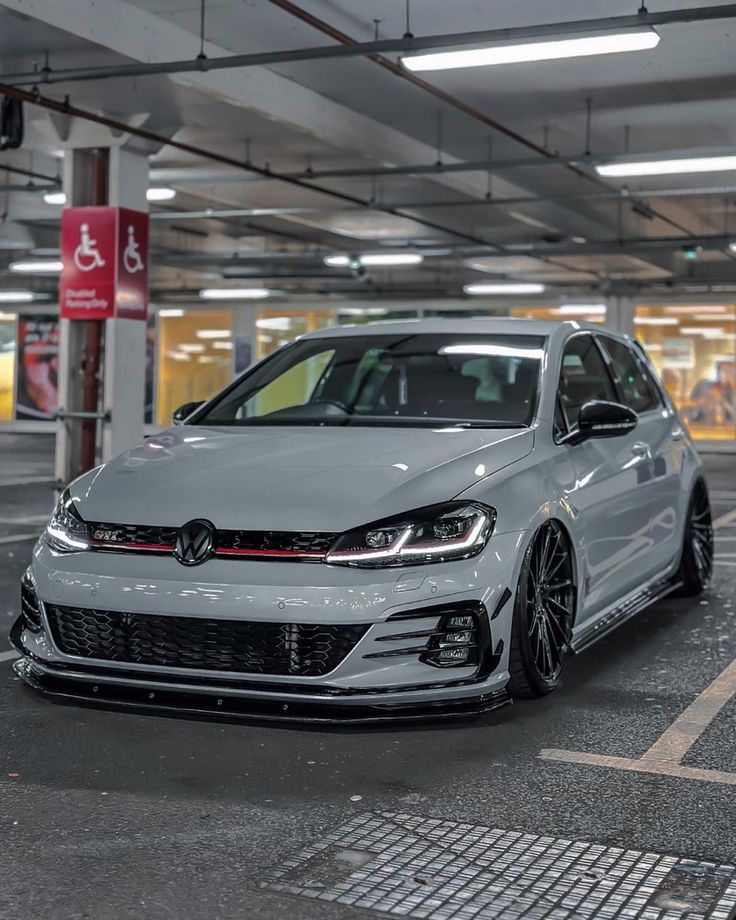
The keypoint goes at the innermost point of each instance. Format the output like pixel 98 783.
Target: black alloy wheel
pixel 696 565
pixel 543 613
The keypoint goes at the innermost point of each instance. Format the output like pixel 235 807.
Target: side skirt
pixel 592 632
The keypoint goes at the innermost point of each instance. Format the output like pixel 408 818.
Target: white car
pixel 393 519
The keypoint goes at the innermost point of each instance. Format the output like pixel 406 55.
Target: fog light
pixel 453 656
pixel 454 643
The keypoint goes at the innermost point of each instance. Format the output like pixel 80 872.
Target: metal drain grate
pixel 422 867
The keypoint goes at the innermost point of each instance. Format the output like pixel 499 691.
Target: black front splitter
pixel 65 688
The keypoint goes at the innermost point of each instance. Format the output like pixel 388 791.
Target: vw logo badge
pixel 194 542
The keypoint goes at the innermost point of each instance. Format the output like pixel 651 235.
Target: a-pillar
pixel 102 363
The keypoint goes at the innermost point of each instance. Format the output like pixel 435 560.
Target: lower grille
pixel 29 606
pixel 298 649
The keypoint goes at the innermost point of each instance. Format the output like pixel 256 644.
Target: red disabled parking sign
pixel 105 257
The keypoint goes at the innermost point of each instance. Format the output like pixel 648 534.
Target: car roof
pixel 475 324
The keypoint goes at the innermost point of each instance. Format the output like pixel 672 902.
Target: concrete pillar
pixel 124 376
pixel 122 364
pixel 620 312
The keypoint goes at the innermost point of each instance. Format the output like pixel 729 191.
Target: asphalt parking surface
pixel 106 814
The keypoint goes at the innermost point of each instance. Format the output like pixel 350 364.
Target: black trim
pixel 177 702
pixel 623 612
pixel 502 601
pixel 221 680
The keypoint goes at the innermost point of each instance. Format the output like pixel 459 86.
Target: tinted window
pixel 637 390
pixel 583 377
pixel 416 379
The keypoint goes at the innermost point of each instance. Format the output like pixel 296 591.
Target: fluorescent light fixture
pixel 171 313
pixel 16 296
pixel 732 246
pixel 706 332
pixel 212 333
pixel 391 258
pixel 337 261
pixel 582 309
pixel 711 318
pixel 37 266
pixel 656 321
pixel 55 198
pixel 673 167
pixel 191 348
pixel 503 287
pixel 552 49
pixel 223 346
pixel 700 308
pixel 234 293
pixel 375 259
pixel 160 194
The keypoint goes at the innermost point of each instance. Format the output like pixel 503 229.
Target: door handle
pixel 640 449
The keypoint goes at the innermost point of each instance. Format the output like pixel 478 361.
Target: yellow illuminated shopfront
pixel 193 353
pixel 693 348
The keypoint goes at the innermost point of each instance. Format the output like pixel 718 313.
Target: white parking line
pixel 18 537
pixel 8 656
pixel 27 481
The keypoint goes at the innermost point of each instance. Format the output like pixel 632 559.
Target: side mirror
pixel 601 419
pixel 185 411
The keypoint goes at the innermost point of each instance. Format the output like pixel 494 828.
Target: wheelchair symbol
pixel 87 256
pixel 131 256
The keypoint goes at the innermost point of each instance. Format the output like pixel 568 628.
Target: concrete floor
pixel 113 815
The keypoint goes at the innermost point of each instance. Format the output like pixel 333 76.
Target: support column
pixel 620 313
pixel 102 363
pixel 124 381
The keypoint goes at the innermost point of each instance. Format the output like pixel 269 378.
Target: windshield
pixel 406 380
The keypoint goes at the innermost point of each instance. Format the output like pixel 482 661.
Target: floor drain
pixel 423 867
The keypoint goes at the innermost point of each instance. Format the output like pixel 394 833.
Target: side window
pixel 583 377
pixel 637 391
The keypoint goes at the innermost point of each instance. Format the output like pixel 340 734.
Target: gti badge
pixel 194 542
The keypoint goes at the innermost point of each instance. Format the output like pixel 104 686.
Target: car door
pixel 660 434
pixel 605 487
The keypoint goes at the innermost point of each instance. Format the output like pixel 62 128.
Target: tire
pixel 544 611
pixel 696 561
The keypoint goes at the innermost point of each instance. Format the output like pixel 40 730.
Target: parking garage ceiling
pixel 488 172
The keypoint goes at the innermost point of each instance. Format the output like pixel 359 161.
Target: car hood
pixel 292 478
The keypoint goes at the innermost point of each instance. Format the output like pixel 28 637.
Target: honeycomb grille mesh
pixel 130 536
pixel 297 649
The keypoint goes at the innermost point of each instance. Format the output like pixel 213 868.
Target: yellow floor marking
pixel 660 768
pixel 665 756
pixel 725 519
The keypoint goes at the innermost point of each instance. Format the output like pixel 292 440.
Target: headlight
pixel 439 533
pixel 66 532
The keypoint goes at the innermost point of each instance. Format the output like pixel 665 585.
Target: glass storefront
pixel 7 365
pixel 194 353
pixel 194 360
pixel 694 351
pixel 275 328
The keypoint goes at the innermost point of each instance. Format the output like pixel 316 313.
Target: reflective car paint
pixel 622 502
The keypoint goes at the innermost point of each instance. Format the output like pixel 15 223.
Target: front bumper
pixel 367 683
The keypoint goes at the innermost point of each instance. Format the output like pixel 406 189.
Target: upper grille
pixel 298 649
pixel 258 543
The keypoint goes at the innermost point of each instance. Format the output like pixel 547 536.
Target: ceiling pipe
pixel 31 174
pixel 72 111
pixel 343 38
pixel 66 108
pixel 407 43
